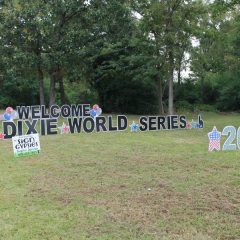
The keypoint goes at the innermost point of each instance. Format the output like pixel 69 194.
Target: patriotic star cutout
pixel 214 140
pixel 193 124
pixel 188 125
pixel 2 136
pixel 134 127
pixel 64 129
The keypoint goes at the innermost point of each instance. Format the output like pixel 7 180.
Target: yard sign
pixel 26 145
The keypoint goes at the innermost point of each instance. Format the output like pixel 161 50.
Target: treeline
pixel 128 56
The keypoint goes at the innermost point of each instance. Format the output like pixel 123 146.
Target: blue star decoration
pixel 214 140
pixel 134 127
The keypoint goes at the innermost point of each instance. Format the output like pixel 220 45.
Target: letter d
pixel 9 126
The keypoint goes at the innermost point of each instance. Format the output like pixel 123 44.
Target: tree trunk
pixel 202 89
pixel 179 76
pixel 41 86
pixel 160 98
pixel 61 86
pixel 101 99
pixel 180 63
pixel 170 83
pixel 52 88
pixel 160 93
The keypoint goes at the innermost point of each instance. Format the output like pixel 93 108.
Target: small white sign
pixel 26 145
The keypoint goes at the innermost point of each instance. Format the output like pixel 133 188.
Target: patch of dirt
pixel 144 207
pixel 147 205
pixel 221 200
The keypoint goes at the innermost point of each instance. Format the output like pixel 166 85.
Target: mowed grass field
pixel 123 185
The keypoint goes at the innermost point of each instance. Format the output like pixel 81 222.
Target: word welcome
pixel 55 111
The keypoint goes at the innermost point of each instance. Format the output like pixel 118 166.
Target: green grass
pixel 153 185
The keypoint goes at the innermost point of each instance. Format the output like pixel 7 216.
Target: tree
pixel 121 60
pixel 169 25
pixel 40 38
pixel 208 58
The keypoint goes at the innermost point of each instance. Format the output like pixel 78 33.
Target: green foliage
pixel 229 93
pixel 187 91
pixel 205 108
pixel 183 106
pixel 122 81
pixel 105 54
pixel 79 93
pixel 11 88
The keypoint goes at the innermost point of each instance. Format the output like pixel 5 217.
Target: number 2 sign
pixel 231 132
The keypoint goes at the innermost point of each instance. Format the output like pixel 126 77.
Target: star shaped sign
pixel 214 140
pixel 2 136
pixel 134 127
pixel 64 129
pixel 193 124
pixel 188 126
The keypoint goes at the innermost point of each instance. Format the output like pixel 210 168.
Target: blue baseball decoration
pixel 9 114
pixel 96 111
pixel 7 117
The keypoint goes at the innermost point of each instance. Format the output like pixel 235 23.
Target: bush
pixel 229 93
pixel 183 106
pixel 18 91
pixel 205 108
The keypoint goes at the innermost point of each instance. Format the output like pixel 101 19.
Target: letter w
pixel 75 124
pixel 23 112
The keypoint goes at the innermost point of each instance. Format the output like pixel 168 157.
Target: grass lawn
pixel 152 185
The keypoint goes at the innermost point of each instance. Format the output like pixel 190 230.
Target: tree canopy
pixel 148 56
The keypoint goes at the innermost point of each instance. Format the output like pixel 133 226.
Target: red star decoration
pixel 2 136
pixel 66 129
